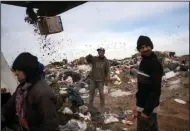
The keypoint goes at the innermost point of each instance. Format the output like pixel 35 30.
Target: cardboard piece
pixel 50 25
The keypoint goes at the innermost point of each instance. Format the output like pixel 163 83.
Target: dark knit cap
pixel 101 49
pixel 27 63
pixel 144 40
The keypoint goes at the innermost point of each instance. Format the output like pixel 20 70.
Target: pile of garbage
pixel 71 84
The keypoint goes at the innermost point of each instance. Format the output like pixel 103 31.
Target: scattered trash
pixel 169 75
pixel 127 89
pixel 178 68
pixel 172 87
pixel 83 109
pixel 110 119
pixel 184 67
pixel 84 96
pixel 174 82
pixel 179 101
pixel 125 129
pixel 117 82
pixel 85 68
pixel 118 93
pixel 75 97
pixel 129 112
pixel 166 70
pixel 72 80
pixel 127 122
pixel 83 91
pixel 117 72
pixel 99 129
pixel 85 117
pixel 69 80
pixel 74 125
pixel 67 111
pixel 115 79
pixel 132 80
pixel 172 66
pixel 63 91
pixel 166 61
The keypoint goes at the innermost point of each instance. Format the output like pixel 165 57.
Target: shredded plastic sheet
pixel 174 82
pixel 74 125
pixel 169 75
pixel 67 111
pixel 179 101
pixel 118 93
pixel 111 119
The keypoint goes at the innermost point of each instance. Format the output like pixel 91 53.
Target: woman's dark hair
pixel 27 63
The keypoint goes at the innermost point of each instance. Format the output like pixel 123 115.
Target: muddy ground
pixel 173 116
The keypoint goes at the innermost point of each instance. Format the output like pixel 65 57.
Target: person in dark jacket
pixel 150 74
pixel 33 102
pixel 100 75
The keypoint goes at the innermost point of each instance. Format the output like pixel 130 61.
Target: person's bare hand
pixel 144 115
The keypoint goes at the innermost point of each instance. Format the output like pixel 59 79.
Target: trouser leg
pixel 154 127
pixel 100 86
pixel 149 124
pixel 92 93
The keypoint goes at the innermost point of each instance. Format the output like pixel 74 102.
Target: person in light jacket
pixel 100 75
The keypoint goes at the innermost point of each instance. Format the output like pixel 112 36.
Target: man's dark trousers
pixel 149 124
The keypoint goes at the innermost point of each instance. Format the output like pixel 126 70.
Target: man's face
pixel 20 75
pixel 101 53
pixel 145 50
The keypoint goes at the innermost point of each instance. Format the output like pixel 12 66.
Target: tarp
pixel 7 77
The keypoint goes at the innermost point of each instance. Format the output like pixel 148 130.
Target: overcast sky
pixel 115 26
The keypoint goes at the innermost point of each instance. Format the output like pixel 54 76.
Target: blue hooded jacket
pixel 42 70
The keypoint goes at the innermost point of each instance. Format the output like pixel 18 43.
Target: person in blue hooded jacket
pixel 42 70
